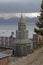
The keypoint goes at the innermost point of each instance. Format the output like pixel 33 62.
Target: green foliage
pixel 39 24
pixel 36 30
pixel 42 4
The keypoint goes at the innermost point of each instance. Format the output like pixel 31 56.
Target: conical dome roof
pixel 22 21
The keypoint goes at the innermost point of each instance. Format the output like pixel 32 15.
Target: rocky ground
pixel 36 58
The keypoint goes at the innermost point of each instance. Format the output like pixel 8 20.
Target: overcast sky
pixel 20 0
pixel 20 5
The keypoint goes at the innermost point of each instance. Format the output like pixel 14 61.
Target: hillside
pixel 35 58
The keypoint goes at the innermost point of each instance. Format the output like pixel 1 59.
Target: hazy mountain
pixel 15 20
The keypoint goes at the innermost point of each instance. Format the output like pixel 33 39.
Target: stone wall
pixel 35 40
pixel 40 39
pixel 22 49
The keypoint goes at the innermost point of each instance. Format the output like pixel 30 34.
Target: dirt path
pixel 35 58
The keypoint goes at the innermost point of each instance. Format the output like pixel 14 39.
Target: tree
pixel 39 24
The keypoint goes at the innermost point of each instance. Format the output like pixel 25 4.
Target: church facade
pixel 22 42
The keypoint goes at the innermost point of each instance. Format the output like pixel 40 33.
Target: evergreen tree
pixel 39 24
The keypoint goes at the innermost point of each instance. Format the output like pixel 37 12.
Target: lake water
pixel 5 30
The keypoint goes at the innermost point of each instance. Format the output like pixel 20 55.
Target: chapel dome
pixel 21 21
